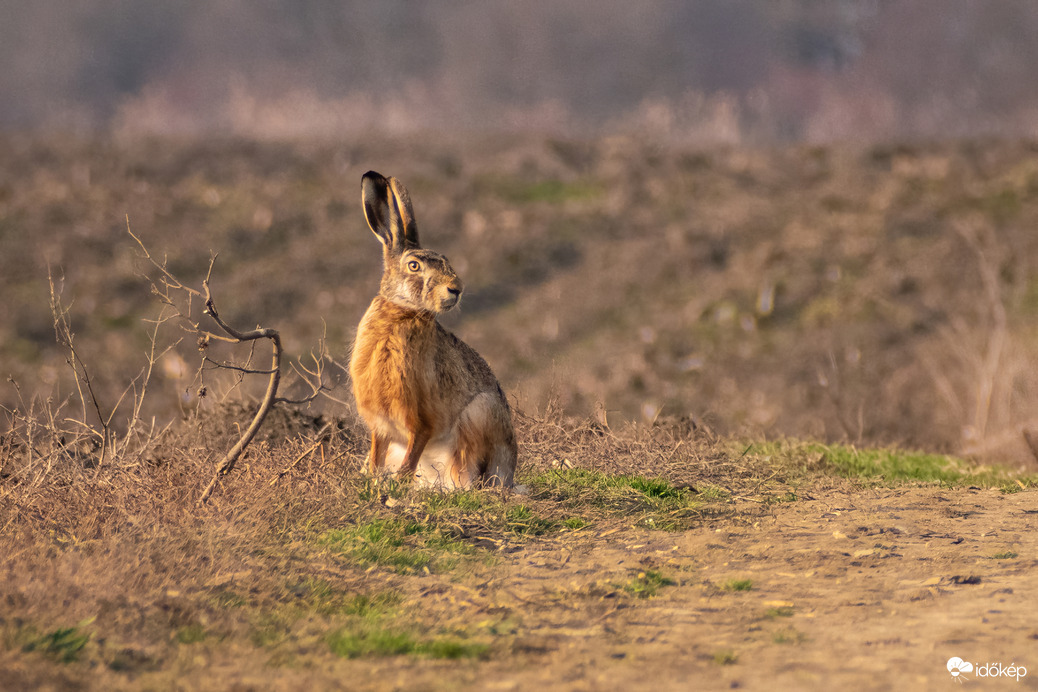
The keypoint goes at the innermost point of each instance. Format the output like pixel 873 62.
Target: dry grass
pixel 300 563
pixel 116 573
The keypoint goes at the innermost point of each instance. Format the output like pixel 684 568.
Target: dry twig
pixel 322 437
pixel 227 463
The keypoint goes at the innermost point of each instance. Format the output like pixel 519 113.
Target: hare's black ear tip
pixel 372 176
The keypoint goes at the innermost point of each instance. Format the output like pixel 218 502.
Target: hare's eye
pixel 413 265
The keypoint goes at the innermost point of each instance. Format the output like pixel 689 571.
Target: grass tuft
pixel 788 636
pixel 1004 555
pixel 738 585
pixel 375 640
pixel 191 634
pixel 647 584
pixel 64 644
pixel 779 612
pixel 522 521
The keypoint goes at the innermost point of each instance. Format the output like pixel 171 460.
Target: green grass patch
pixel 788 636
pixel 714 493
pixel 377 641
pixel 225 598
pixel 487 510
pixel 269 628
pixel 737 585
pixel 725 657
pixel 1004 555
pixel 883 466
pixel 349 643
pixel 459 502
pixel 647 584
pixel 653 502
pixel 374 606
pixel 779 612
pixel 321 597
pixel 789 496
pixel 403 545
pixel 191 634
pixel 650 502
pixel 64 644
pixel 521 521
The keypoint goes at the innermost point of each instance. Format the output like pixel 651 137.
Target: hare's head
pixel 412 277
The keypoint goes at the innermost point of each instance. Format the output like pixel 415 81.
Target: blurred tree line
pixel 783 69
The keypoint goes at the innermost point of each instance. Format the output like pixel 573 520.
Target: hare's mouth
pixel 450 300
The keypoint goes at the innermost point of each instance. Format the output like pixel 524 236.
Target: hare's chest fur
pixel 394 370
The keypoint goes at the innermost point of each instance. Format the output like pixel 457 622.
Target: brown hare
pixel 433 405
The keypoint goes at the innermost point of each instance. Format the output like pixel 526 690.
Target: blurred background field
pixel 794 218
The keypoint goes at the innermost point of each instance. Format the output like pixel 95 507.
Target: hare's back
pixel 460 363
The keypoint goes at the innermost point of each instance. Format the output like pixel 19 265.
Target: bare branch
pixel 314 379
pixel 169 280
pixel 227 463
pixel 65 337
pixel 237 368
pixel 165 289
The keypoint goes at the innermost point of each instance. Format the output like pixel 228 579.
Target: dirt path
pixel 873 590
pixel 863 590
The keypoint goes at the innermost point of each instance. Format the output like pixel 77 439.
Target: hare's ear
pixel 387 209
pixel 406 213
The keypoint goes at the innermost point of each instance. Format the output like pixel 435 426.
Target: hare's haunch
pixel 433 405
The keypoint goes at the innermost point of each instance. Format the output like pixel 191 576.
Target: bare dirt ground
pixel 862 590
pixel 844 589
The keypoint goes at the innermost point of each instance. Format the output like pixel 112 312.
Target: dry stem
pixel 269 397
pixel 314 377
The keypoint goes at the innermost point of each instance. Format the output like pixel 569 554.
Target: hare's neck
pixel 396 312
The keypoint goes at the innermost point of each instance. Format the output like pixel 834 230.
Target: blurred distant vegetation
pixel 869 294
pixel 705 70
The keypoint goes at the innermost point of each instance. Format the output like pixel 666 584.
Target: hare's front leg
pixel 416 443
pixel 377 454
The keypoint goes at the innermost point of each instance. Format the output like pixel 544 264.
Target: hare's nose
pixel 454 291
